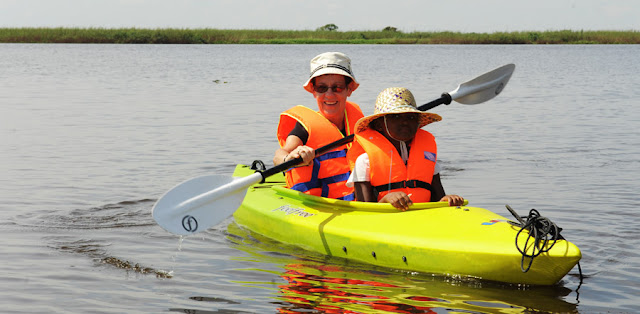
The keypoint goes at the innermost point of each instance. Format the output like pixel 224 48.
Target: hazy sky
pixel 406 15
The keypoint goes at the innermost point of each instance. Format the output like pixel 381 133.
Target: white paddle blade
pixel 483 87
pixel 199 203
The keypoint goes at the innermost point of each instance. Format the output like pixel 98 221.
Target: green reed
pixel 220 36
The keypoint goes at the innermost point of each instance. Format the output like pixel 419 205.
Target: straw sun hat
pixel 330 63
pixel 395 100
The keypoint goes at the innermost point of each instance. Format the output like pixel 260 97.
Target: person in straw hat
pixel 301 130
pixel 393 159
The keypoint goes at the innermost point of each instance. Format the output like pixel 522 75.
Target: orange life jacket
pixel 387 170
pixel 328 174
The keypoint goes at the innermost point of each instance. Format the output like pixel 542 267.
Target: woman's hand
pixel 307 153
pixel 454 200
pixel 399 200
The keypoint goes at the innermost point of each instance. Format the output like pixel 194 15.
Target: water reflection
pixel 314 283
pixel 305 291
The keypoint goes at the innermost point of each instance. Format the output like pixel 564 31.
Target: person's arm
pixel 360 180
pixel 399 200
pixel 438 194
pixel 364 192
pixel 437 191
pixel 293 148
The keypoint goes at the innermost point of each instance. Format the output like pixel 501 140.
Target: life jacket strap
pixel 332 155
pixel 412 184
pixel 323 183
pixel 348 197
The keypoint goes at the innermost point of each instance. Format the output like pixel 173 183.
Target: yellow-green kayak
pixel 432 237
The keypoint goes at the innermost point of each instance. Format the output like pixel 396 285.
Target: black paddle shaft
pixel 294 162
pixel 444 99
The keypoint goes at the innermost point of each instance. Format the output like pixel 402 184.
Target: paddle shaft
pixel 444 99
pixel 294 162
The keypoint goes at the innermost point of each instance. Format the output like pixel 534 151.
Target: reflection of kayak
pixel 431 237
pixel 314 283
pixel 330 287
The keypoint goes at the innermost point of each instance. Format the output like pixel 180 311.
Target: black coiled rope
pixel 544 232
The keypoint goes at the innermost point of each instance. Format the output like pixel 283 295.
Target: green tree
pixel 328 27
pixel 390 29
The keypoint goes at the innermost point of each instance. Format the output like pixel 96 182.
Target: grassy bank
pixel 219 36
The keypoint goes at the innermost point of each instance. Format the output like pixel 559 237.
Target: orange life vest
pixel 387 170
pixel 328 174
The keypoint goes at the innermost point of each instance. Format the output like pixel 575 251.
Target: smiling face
pixel 399 126
pixel 332 102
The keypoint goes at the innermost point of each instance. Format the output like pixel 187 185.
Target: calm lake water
pixel 92 135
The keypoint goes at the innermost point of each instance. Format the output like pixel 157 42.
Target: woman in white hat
pixel 393 159
pixel 301 130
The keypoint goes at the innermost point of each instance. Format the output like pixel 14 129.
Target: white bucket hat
pixel 331 63
pixel 394 100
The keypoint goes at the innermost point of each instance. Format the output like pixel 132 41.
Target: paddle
pixel 200 203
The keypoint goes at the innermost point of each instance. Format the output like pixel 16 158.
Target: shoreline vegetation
pixel 389 35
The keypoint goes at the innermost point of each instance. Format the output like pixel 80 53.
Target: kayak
pixel 432 238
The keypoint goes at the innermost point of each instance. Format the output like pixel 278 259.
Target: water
pixel 92 135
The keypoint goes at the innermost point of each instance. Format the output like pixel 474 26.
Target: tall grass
pixel 220 36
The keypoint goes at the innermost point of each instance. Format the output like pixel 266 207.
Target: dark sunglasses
pixel 323 88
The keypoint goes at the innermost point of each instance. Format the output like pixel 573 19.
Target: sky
pixel 480 16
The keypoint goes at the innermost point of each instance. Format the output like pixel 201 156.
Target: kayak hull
pixel 433 238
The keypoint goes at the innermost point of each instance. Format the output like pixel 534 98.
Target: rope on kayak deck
pixel 543 230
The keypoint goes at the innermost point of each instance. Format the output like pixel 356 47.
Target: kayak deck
pixel 430 237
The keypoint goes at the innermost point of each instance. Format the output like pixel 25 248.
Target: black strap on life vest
pixel 403 184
